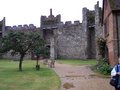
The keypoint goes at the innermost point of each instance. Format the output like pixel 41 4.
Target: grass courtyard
pixel 29 78
pixel 78 62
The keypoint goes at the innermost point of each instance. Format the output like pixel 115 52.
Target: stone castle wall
pixel 20 28
pixel 78 40
pixel 70 40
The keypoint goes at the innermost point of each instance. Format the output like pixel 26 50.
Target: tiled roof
pixel 115 4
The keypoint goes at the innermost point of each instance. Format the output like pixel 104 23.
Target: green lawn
pixel 77 62
pixel 29 78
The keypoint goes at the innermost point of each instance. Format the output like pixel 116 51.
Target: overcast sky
pixel 19 12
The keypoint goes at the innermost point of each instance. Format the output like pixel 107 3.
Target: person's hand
pixel 118 73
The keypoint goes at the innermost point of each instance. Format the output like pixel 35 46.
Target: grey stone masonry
pixel 98 26
pixel 52 48
pixel 70 42
pixel 67 40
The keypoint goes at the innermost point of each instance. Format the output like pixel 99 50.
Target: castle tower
pixel 89 28
pixel 98 26
pixel 84 25
pixel 48 25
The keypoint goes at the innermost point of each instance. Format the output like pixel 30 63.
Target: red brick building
pixel 111 24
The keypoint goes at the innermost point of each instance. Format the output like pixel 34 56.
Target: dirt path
pixel 80 78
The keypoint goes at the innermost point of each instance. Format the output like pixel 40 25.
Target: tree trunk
pixel 37 65
pixel 20 63
pixel 37 60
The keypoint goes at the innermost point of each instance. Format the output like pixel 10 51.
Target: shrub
pixel 102 67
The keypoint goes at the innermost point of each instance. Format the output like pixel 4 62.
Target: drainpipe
pixel 117 34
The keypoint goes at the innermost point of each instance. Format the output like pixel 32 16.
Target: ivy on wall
pixel 101 42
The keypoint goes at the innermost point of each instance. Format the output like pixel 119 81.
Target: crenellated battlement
pixel 70 23
pixel 21 27
pixel 50 21
pixel 51 18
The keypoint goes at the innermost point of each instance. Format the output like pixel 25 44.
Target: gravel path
pixel 80 78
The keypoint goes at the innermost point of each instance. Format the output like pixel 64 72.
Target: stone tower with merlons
pixel 72 40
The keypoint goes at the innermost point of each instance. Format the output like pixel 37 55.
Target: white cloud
pixel 29 11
